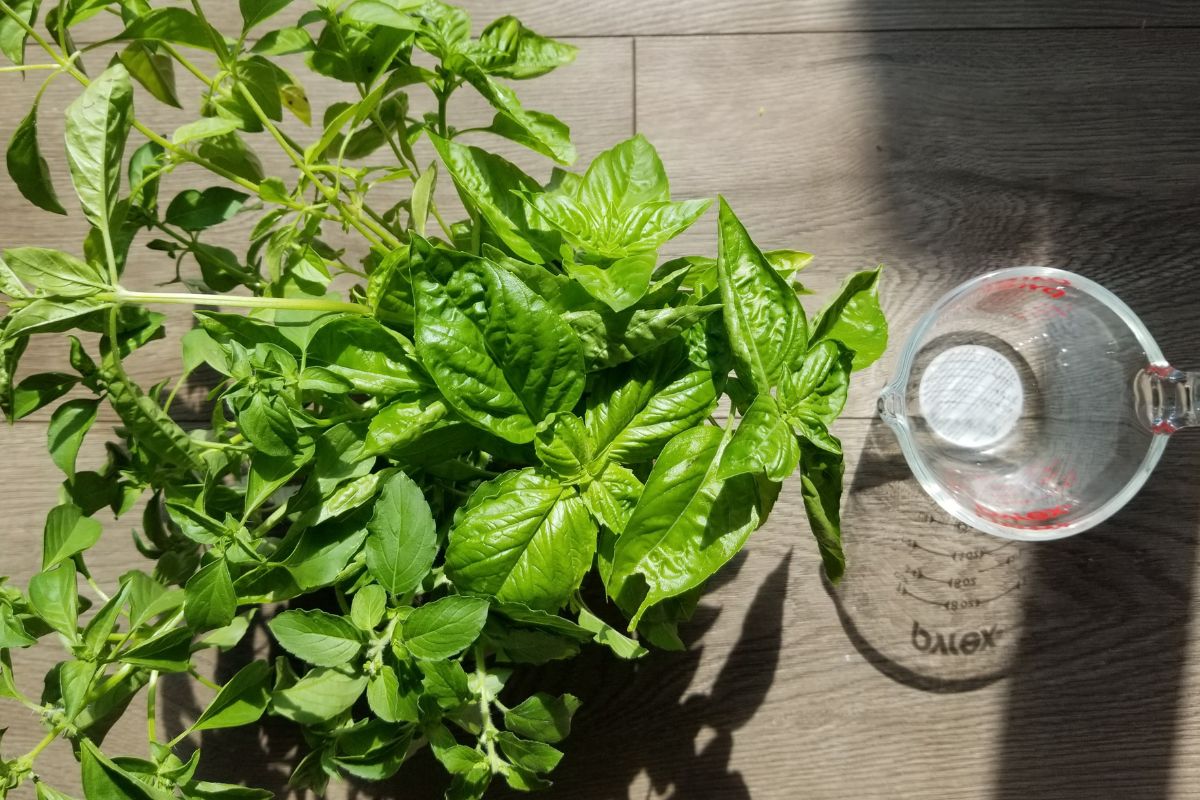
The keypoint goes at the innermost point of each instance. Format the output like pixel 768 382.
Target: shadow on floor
pixel 682 741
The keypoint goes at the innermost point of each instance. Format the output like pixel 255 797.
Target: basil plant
pixel 472 446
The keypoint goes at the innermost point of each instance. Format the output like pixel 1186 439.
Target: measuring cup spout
pixel 1167 399
pixel 891 404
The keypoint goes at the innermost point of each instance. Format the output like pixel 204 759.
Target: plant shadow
pixel 681 744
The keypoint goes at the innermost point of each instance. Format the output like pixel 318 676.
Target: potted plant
pixel 483 444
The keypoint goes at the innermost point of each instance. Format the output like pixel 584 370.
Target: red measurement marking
pixel 1165 427
pixel 1161 370
pixel 1040 517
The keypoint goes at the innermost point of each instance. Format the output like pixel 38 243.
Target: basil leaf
pixel 54 597
pixel 170 652
pixel 686 526
pixel 765 324
pixel 69 423
pixel 55 273
pixel 98 124
pixel 821 489
pixel 194 210
pixel 634 410
pixel 612 496
pixel 26 164
pixel 210 601
pixel 68 532
pixel 258 11
pixel 38 391
pixel 152 69
pixel 175 25
pixel 241 701
pixel 813 396
pixel 563 447
pixel 282 42
pixel 13 35
pixel 619 285
pixel 763 443
pixel 401 537
pixel 533 756
pixel 12 632
pixel 387 14
pixel 319 696
pixel 492 186
pixel 497 352
pixel 389 699
pixel 855 319
pixel 620 644
pixel 104 780
pixel 319 638
pixel 367 607
pixel 522 537
pixel 374 359
pixel 542 717
pixel 445 627
pixel 509 49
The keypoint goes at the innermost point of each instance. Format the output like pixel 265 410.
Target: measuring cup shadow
pixel 885 511
pixel 1097 682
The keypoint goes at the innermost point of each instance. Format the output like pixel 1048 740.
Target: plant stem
pixel 151 703
pixel 488 734
pixel 189 299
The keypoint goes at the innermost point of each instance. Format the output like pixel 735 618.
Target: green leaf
pixel 367 607
pixel 97 126
pixel 634 410
pixel 538 131
pixel 421 197
pixel 68 425
pixel 492 186
pixel 104 780
pixel 763 443
pixel 374 359
pixel 543 717
pixel 170 652
pixel 686 526
pixel 317 637
pixel 210 599
pixel 619 285
pixel 95 633
pixel 563 446
pixel 12 632
pixel 402 537
pixel 54 597
pixel 621 645
pixel 612 496
pixel 230 152
pixel 610 339
pixel 144 166
pixel 241 701
pixel 74 680
pixel 390 701
pixel 204 128
pixel 523 537
pixel 319 696
pixel 55 273
pixel 155 71
pixel 445 682
pixel 193 210
pixel 174 25
pixel 26 164
pixel 12 34
pixel 533 756
pixel 855 318
pixel 509 49
pixel 282 42
pixel 67 532
pixel 763 318
pixel 269 473
pixel 498 353
pixel 821 490
pixel 257 11
pixel 444 628
pixel 48 316
pixel 38 391
pixel 814 395
pixel 377 12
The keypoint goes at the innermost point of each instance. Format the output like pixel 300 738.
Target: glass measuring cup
pixel 1031 403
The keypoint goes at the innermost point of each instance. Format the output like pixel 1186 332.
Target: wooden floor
pixel 943 139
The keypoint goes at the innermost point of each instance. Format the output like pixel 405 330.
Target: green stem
pixel 189 299
pixel 488 734
pixel 151 703
pixel 29 67
pixel 188 65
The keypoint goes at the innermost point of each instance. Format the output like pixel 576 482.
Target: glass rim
pixel 900 427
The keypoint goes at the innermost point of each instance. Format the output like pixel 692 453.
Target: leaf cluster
pixel 484 444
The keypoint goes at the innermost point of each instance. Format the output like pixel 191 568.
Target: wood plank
pixel 944 156
pixel 691 17
pixel 593 96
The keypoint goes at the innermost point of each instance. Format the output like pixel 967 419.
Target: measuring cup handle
pixel 1167 399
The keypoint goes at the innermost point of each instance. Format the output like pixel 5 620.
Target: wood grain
pixel 720 17
pixel 943 154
